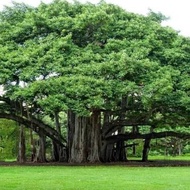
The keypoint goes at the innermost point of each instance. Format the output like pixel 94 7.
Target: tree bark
pixel 62 154
pixel 146 149
pixel 78 149
pixel 70 131
pixel 135 130
pixel 22 146
pixel 154 135
pixel 94 137
pixel 107 153
pixel 84 137
pixel 55 152
pixel 106 150
pixel 36 123
pixel 180 147
pixel 33 147
pixel 120 152
pixel 42 147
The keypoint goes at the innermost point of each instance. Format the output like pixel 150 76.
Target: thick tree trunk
pixel 111 152
pixel 94 137
pixel 70 131
pixel 146 149
pixel 108 152
pixel 62 154
pixel 135 130
pixel 78 152
pixel 33 147
pixel 120 152
pixel 40 155
pixel 42 148
pixel 55 152
pixel 83 137
pixel 180 147
pixel 22 146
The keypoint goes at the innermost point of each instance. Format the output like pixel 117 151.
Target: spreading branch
pixel 35 125
pixel 154 135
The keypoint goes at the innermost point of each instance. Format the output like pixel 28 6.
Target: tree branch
pixel 34 124
pixel 154 135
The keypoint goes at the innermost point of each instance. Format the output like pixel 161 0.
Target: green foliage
pixel 8 139
pixel 158 17
pixel 98 56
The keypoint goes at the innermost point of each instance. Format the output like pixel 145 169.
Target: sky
pixel 177 10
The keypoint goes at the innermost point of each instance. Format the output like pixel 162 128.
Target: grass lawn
pixel 94 178
pixel 162 157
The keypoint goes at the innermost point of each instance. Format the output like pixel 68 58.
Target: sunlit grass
pixel 162 157
pixel 93 178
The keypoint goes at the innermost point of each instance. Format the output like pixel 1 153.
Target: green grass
pixel 183 157
pixel 162 157
pixel 94 178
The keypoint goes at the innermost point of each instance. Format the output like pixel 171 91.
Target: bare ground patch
pixel 155 163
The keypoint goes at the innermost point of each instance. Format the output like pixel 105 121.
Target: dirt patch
pixel 156 163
